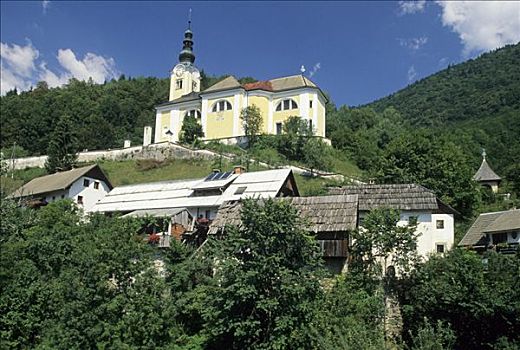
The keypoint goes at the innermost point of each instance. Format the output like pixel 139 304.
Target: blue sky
pixel 355 51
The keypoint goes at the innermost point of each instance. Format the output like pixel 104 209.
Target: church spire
pixel 186 55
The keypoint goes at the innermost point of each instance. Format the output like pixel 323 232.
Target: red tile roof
pixel 259 85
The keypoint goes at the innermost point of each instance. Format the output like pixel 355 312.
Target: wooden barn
pixel 330 218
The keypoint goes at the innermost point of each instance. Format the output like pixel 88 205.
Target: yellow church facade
pixel 218 107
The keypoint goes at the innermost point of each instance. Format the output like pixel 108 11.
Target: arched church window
pixel 286 105
pixel 193 113
pixel 178 84
pixel 221 105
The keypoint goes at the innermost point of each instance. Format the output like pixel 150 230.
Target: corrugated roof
pixel 178 194
pixel 59 181
pixel 227 83
pixel 485 173
pixel 324 213
pixel 490 223
pixel 154 212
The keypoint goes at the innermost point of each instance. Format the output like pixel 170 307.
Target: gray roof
pixel 225 84
pixel 154 212
pixel 59 181
pixel 395 196
pixel 485 173
pixel 192 96
pixel 324 213
pixel 291 82
pixel 500 221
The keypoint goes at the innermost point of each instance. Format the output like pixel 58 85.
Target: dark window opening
pixel 96 185
pixel 86 183
pixel 240 190
pixel 499 238
pixel 440 248
pixel 440 224
pixel 80 199
pixel 310 104
pixel 278 128
pixel 179 84
pixel 412 220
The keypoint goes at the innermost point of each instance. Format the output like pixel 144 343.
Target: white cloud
pixel 45 5
pixel 411 74
pixel 19 58
pixel 413 44
pixel 482 25
pixel 92 66
pixel 314 69
pixel 21 68
pixel 409 7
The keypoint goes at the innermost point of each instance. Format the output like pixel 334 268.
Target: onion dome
pixel 186 55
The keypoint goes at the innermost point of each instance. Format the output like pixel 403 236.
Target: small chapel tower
pixel 185 77
pixel 486 176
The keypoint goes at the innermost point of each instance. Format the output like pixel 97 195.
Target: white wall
pixel 90 195
pixel 429 234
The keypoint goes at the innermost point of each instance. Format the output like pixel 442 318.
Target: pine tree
pixel 62 146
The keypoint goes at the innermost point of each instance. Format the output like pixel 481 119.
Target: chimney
pixel 239 169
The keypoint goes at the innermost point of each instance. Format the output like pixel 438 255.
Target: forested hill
pixel 476 89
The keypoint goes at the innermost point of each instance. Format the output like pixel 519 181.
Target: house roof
pixel 324 213
pixel 291 82
pixel 192 96
pixel 395 196
pixel 154 212
pixel 500 221
pixel 225 84
pixel 59 181
pixel 485 173
pixel 179 194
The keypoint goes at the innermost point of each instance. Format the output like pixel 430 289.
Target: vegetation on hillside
pixel 72 283
pixel 477 101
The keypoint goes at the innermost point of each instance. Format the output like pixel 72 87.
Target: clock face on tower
pixel 179 70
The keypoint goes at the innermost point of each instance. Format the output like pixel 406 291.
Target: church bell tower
pixel 185 77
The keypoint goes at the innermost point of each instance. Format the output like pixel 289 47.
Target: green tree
pixel 381 243
pixel 63 146
pixel 72 283
pixel 191 130
pixel 435 162
pixel 267 280
pixel 252 123
pixel 316 154
pixel 477 296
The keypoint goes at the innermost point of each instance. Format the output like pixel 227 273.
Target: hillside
pixel 478 100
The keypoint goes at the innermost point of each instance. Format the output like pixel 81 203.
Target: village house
pixel 85 186
pixel 218 107
pixel 330 218
pixel 497 230
pixel 435 219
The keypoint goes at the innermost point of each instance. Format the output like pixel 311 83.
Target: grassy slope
pixel 132 172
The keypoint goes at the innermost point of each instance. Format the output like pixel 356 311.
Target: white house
pixel 85 186
pixel 202 197
pixel 435 220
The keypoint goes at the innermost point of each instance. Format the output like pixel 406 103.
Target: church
pixel 218 107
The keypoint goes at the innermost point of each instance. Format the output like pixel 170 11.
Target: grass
pixel 127 172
